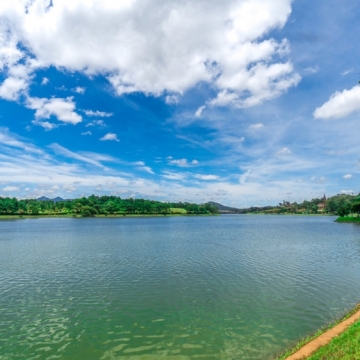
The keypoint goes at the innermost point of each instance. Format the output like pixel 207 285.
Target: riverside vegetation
pixel 345 346
pixel 100 206
pixel 342 205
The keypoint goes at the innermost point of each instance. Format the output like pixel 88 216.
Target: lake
pixel 222 287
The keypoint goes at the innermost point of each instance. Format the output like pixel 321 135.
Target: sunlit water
pixel 226 287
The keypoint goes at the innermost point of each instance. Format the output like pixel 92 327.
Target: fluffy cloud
pixel 45 124
pixel 10 188
pixel 172 99
pixel 70 187
pixel 256 126
pixel 63 109
pixel 340 104
pixel 177 45
pixel 97 113
pixel 10 89
pixel 283 152
pixel 99 123
pixel 110 137
pixel 173 176
pixel 347 176
pixel 199 111
pixel 80 90
pixel 206 177
pixel 312 69
pixel 182 162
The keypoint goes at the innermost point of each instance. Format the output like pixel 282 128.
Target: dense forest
pixel 341 204
pixel 100 205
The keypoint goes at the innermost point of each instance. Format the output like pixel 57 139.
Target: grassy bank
pixel 345 346
pixel 321 331
pixel 348 219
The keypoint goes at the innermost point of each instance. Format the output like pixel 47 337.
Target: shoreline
pixel 310 344
pixel 101 216
pixel 348 219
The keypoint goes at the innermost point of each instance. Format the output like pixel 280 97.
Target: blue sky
pixel 247 102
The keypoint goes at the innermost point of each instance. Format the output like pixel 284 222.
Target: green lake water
pixel 225 287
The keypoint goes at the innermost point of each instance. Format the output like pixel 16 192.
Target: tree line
pixel 341 205
pixel 100 205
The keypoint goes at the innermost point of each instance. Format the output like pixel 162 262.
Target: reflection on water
pixel 227 287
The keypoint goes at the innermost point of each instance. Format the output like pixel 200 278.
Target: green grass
pixel 345 346
pixel 178 211
pixel 348 219
pixel 322 330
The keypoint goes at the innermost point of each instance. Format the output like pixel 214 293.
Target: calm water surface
pixel 226 287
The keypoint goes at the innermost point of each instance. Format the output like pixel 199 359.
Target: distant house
pixel 322 205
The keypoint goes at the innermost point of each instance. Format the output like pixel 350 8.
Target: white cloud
pixel 312 69
pixel 45 124
pixel 199 111
pixel 80 90
pixel 18 75
pixel 111 184
pixel 321 180
pixel 86 133
pixel 44 81
pixel 176 46
pixel 70 187
pixel 172 99
pixel 173 176
pixel 206 177
pixel 283 152
pixel 340 104
pixel 181 162
pixel 243 178
pixel 110 137
pixel 348 192
pixel 63 109
pixel 90 158
pixel 256 126
pixel 346 72
pixel 10 89
pixel 10 189
pixel 142 167
pixel 97 113
pixel 99 123
pixel 347 176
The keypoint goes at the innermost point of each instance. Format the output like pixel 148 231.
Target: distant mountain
pixel 224 208
pixel 57 199
pixel 43 198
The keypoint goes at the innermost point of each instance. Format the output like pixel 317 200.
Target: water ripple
pixel 228 287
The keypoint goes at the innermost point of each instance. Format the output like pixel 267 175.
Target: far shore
pixel 348 219
pixel 103 216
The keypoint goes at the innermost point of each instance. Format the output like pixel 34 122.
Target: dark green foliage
pixel 355 206
pixel 341 204
pixel 102 205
